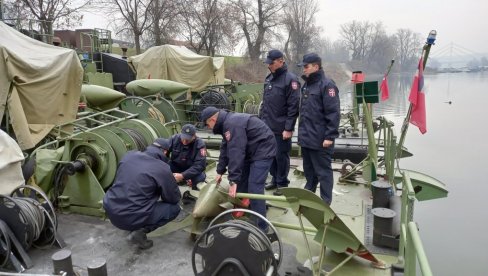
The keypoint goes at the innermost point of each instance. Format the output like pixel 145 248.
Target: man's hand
pixel 218 178
pixel 178 177
pixel 287 134
pixel 327 143
pixel 233 189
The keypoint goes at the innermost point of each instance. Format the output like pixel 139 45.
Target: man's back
pixel 251 133
pixel 140 181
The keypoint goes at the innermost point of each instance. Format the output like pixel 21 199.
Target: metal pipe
pixel 306 242
pixel 312 230
pixel 342 263
pixel 419 249
pixel 262 197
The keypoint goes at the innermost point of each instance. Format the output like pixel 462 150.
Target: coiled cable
pixel 138 138
pixel 32 213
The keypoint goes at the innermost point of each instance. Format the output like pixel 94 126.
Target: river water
pixel 454 230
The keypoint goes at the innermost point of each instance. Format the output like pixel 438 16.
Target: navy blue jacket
pixel 142 179
pixel 244 138
pixel 281 98
pixel 319 111
pixel 191 159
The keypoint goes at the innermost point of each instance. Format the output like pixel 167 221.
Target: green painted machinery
pixel 90 153
pixel 177 103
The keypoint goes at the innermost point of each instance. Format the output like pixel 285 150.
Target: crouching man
pixel 144 195
pixel 188 156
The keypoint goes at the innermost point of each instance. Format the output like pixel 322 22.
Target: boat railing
pixel 411 249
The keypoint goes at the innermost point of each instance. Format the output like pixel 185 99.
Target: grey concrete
pixel 91 238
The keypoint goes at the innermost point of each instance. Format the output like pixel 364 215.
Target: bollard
pixel 62 262
pixel 382 191
pixel 97 267
pixel 383 227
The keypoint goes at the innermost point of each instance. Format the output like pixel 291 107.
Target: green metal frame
pixel 99 138
pixel 328 228
pixel 411 249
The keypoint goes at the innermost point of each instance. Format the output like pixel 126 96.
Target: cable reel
pixel 5 247
pixel 165 107
pixel 30 215
pixel 251 108
pixel 232 246
pixel 211 97
pixel 141 131
pixel 94 151
pixel 141 106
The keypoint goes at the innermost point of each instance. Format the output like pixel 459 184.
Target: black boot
pixel 139 238
pixel 270 186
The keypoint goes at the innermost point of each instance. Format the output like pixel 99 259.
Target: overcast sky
pixel 461 22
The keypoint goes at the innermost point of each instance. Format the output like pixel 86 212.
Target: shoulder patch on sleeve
pixel 203 152
pixel 331 92
pixel 227 135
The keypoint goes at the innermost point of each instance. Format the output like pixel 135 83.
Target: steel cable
pixel 138 138
pixel 32 214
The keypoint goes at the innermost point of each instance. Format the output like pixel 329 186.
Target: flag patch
pixel 227 135
pixel 203 152
pixel 332 92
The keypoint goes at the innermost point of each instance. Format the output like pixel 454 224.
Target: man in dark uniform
pixel 133 202
pixel 188 156
pixel 279 111
pixel 247 151
pixel 318 125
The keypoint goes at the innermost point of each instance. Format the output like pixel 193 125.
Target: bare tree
pixel 382 48
pixel 58 13
pixel 409 44
pixel 207 26
pixel 133 16
pixel 355 36
pixel 15 13
pixel 300 24
pixel 257 19
pixel 164 25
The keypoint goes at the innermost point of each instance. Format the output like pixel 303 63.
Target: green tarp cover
pixel 40 85
pixel 178 63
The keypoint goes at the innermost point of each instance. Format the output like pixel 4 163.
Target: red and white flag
pixel 385 94
pixel 417 99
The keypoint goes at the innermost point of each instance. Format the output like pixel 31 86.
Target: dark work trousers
pixel 252 181
pixel 163 213
pixel 317 168
pixel 281 163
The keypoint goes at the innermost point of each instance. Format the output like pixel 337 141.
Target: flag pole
pixel 425 53
pixel 389 68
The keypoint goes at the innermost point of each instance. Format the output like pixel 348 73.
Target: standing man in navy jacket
pixel 188 156
pixel 318 126
pixel 144 195
pixel 279 112
pixel 247 151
